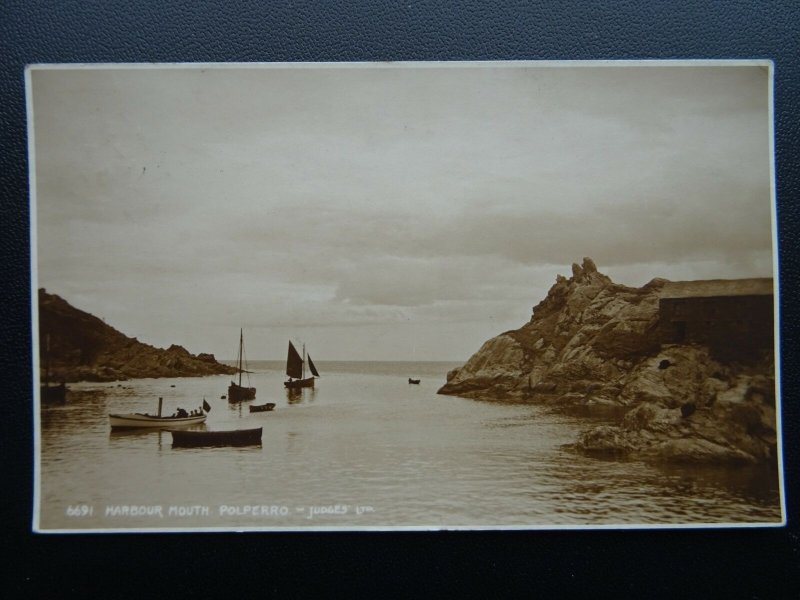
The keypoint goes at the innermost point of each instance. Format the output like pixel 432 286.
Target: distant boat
pixel 262 407
pixel 414 381
pixel 54 393
pixel 51 393
pixel 198 439
pixel 296 369
pixel 237 393
pixel 180 419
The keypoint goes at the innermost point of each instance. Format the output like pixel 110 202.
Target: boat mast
pixel 304 362
pixel 47 361
pixel 241 343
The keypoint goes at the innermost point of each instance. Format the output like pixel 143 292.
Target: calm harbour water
pixel 364 449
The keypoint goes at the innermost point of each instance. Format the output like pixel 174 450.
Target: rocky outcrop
pixel 84 348
pixel 595 344
pixel 583 337
pixel 691 410
pixel 496 369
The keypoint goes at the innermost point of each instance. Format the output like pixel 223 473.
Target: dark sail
pixel 312 367
pixel 294 363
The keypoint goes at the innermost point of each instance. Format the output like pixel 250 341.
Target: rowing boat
pixel 196 439
pixel 180 418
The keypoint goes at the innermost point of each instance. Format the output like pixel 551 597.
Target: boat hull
pixel 262 407
pixel 299 383
pixel 198 439
pixel 413 381
pixel 53 393
pixel 138 420
pixel 237 393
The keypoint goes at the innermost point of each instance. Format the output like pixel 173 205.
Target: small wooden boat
pixel 53 394
pixel 236 392
pixel 144 420
pixel 262 407
pixel 198 439
pixel 179 419
pixel 296 369
pixel 414 381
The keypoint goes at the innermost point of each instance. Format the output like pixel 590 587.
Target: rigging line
pixel 245 366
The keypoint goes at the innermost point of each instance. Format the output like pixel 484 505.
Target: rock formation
pixel 84 348
pixel 595 344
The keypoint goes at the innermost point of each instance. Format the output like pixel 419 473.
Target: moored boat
pixel 262 407
pixel 198 439
pixel 237 392
pixel 145 420
pixel 296 369
pixel 53 393
pixel 180 418
pixel 414 381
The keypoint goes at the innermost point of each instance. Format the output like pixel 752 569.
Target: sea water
pixel 363 449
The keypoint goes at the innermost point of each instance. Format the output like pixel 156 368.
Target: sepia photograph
pixel 537 294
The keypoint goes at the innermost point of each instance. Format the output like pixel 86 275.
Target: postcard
pixel 404 296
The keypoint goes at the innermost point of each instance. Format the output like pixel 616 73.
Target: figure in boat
pixel 237 393
pixel 296 369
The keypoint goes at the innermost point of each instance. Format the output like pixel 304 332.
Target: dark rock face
pixel 592 343
pixel 733 429
pixel 84 348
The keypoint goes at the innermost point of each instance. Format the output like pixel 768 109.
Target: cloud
pixel 183 203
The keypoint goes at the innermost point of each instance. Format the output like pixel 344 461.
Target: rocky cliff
pixel 84 348
pixel 595 344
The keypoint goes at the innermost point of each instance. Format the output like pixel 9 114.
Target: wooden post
pixel 160 400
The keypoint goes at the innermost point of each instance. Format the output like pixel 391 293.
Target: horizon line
pixel 283 359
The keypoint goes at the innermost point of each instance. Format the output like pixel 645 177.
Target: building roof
pixel 717 287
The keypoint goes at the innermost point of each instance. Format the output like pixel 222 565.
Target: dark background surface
pixel 750 563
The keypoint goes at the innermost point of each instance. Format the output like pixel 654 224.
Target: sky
pixel 386 211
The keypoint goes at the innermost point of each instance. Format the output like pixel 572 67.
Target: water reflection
pixel 235 407
pixel 142 431
pixel 121 438
pixel 293 441
pixel 299 395
pixel 757 484
pixel 133 432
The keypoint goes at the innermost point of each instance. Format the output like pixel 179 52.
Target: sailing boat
pixel 296 369
pixel 48 393
pixel 237 393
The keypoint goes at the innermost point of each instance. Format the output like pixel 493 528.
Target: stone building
pixel 734 317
